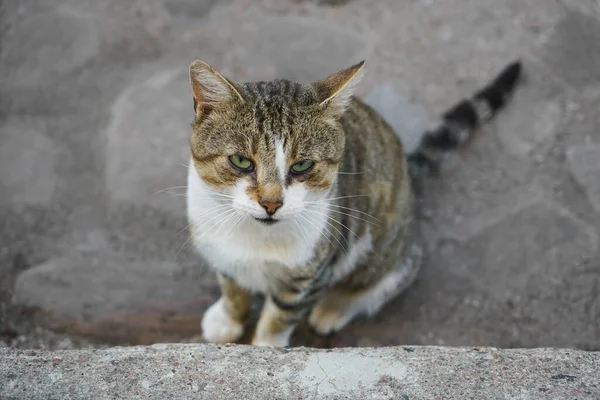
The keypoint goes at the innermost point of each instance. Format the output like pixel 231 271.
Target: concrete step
pixel 195 371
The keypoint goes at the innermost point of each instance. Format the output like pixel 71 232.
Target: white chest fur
pixel 241 247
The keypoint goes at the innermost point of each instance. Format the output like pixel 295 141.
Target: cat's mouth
pixel 267 221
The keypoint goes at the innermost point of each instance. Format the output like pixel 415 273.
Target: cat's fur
pixel 336 242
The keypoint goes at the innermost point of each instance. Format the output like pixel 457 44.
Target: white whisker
pixel 335 198
pixel 175 194
pixel 218 224
pixel 204 213
pixel 210 192
pixel 305 233
pixel 222 215
pixel 336 221
pixel 354 173
pixel 352 232
pixel 235 224
pixel 338 231
pixel 355 210
pixel 229 218
pixel 304 217
pixel 300 228
pixel 218 201
pixel 167 189
pixel 200 227
pixel 354 216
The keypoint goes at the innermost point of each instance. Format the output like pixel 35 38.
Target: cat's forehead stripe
pixel 280 159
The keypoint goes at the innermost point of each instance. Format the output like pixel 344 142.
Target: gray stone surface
pixel 147 157
pixel 568 52
pixel 585 167
pixel 240 372
pixel 408 120
pixel 289 46
pixel 94 113
pixel 192 8
pixel 64 40
pixel 35 164
pixel 116 300
pixel 138 29
pixel 536 126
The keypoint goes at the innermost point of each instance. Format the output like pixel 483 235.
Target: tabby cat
pixel 303 193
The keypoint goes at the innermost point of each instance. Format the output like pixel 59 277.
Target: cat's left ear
pixel 335 92
pixel 210 88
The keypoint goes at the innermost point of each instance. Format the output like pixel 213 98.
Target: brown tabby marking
pixel 358 243
pixel 237 299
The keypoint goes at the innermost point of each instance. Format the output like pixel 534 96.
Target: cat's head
pixel 271 148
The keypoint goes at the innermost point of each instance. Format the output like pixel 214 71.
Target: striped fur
pixel 344 238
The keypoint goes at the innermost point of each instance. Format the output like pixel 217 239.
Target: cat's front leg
pixel 282 311
pixel 224 321
pixel 276 324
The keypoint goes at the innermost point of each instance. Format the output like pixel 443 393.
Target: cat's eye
pixel 302 167
pixel 241 163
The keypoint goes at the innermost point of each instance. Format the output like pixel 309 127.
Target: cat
pixel 303 193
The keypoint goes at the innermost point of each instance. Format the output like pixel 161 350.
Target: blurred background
pixel 95 110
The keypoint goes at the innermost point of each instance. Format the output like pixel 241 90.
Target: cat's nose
pixel 271 206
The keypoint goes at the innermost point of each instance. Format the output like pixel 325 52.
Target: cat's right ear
pixel 210 88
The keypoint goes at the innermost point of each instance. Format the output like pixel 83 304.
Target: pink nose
pixel 271 206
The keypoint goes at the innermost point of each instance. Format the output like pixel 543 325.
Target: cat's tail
pixel 460 122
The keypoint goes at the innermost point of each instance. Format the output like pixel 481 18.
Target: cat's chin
pixel 267 221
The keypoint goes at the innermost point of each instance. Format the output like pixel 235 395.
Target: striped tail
pixel 460 122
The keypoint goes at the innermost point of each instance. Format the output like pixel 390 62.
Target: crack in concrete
pixel 322 380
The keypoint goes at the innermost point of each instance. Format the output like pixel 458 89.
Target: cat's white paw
pixel 273 340
pixel 262 336
pixel 326 321
pixel 219 327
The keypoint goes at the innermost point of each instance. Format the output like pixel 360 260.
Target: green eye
pixel 302 166
pixel 241 163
